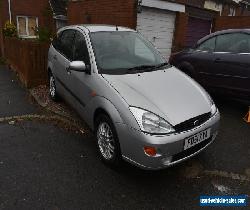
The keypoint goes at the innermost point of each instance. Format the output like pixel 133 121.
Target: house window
pixel 231 11
pixel 26 26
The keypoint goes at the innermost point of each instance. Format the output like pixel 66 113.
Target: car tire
pixel 107 141
pixel 52 88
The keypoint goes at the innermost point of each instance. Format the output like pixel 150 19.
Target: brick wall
pixel 38 8
pixel 181 23
pixel 25 7
pixel 115 12
pixel 229 22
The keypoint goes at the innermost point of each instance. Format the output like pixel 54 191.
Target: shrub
pixel 2 61
pixel 43 34
pixel 9 29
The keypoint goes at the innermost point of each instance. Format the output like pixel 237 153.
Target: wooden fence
pixel 29 59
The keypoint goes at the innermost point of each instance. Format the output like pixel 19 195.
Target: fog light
pixel 150 151
pixel 167 160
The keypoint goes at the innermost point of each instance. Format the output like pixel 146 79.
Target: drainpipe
pixel 9 2
pixel 1 34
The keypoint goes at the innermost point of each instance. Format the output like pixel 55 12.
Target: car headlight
pixel 213 106
pixel 213 109
pixel 150 122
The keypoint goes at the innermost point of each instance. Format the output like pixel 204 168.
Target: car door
pixel 81 83
pixel 201 60
pixel 62 59
pixel 232 64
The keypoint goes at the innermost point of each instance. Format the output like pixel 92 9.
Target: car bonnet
pixel 168 93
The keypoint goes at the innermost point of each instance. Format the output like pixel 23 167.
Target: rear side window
pixel 208 45
pixel 233 43
pixel 57 41
pixel 66 43
pixel 80 49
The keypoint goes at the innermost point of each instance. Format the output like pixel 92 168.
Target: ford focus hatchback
pixel 141 109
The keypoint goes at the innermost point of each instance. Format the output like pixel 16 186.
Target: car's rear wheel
pixel 52 88
pixel 107 141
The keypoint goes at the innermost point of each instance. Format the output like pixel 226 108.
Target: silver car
pixel 141 109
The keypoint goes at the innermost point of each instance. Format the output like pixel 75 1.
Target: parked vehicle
pixel 220 62
pixel 141 109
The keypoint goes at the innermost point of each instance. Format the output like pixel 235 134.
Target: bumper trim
pixel 210 141
pixel 190 151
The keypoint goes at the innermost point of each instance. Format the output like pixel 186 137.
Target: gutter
pixel 9 2
pixel 164 5
pixel 60 17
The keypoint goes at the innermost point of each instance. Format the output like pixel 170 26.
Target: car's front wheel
pixel 52 88
pixel 107 141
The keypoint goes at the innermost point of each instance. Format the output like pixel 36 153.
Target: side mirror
pixel 77 66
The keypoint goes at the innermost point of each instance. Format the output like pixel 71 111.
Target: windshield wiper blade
pixel 147 67
pixel 142 67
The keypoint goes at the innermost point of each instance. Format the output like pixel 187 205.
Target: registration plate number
pixel 197 138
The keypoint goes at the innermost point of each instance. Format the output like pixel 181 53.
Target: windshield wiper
pixel 142 67
pixel 147 67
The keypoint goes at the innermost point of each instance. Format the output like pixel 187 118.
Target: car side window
pixel 81 52
pixel 234 43
pixel 208 45
pixel 66 43
pixel 56 41
pixel 225 42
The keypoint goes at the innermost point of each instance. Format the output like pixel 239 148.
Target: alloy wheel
pixel 105 140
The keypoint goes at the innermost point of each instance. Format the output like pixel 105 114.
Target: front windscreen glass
pixel 119 52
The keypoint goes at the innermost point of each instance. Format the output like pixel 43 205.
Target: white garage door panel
pixel 158 27
pixel 165 29
pixel 163 25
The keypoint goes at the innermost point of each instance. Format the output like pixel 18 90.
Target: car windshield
pixel 122 52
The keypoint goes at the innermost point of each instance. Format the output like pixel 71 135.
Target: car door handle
pixel 55 57
pixel 218 60
pixel 68 70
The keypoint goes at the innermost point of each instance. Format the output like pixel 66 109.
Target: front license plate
pixel 197 138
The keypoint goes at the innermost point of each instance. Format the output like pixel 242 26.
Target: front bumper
pixel 170 148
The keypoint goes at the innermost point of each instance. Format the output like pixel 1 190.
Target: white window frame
pixel 27 26
pixel 231 11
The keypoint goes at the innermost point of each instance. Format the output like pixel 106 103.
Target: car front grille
pixel 191 150
pixel 192 123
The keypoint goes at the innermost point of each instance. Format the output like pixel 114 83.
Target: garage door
pixel 197 28
pixel 158 27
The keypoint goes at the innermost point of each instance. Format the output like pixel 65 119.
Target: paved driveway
pixel 13 98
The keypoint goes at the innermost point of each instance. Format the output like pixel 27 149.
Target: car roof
pixel 227 31
pixel 97 28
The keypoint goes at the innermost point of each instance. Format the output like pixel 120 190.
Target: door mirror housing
pixel 78 66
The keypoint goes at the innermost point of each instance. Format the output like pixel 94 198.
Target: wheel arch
pixel 101 105
pixel 99 111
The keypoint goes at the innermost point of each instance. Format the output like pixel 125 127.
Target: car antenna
pixel 116 28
